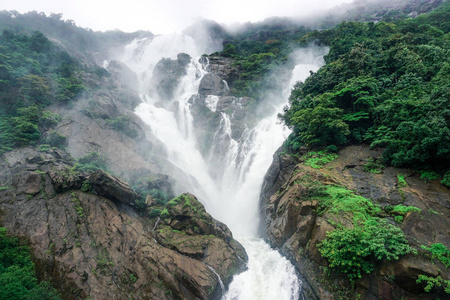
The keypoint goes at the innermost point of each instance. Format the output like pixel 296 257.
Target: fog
pixel 167 16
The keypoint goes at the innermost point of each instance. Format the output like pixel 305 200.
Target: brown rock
pixel 87 246
pixel 189 230
pixel 112 187
pixel 28 182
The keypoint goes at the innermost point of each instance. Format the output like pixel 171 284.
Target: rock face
pixel 167 75
pixel 94 244
pixel 222 67
pixel 294 226
pixel 188 229
pixel 212 84
pixel 124 74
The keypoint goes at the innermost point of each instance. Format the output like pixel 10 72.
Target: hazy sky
pixel 165 16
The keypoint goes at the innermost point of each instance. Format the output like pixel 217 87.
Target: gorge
pixel 276 162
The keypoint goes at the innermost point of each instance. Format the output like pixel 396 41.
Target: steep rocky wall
pixel 89 241
pixel 294 225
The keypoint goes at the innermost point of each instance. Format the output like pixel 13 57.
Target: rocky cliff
pixel 88 239
pixel 299 217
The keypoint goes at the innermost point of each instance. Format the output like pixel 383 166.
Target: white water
pixel 228 185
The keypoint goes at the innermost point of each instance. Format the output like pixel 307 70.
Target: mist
pixel 167 16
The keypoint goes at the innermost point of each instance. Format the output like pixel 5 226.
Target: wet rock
pixel 112 187
pixel 124 74
pixel 167 75
pixel 224 68
pixel 293 226
pixel 28 182
pixel 189 230
pixel 212 84
pixel 88 246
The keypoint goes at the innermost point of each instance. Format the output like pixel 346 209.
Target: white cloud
pixel 164 16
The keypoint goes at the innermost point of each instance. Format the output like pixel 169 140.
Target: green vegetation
pixel 256 55
pixel 165 214
pixel 429 175
pixel 318 159
pixel 373 166
pixel 33 74
pixel 446 180
pixel 354 250
pixel 91 162
pixel 386 84
pixel 55 139
pixel 17 273
pixel 401 180
pixel 403 210
pixel 123 124
pixel 434 282
pixel 440 252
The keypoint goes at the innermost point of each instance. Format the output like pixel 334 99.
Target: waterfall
pixel 228 178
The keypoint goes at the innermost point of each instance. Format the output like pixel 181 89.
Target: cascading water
pixel 231 195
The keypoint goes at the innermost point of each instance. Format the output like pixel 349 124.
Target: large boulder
pixel 212 84
pixel 167 75
pixel 112 187
pixel 188 229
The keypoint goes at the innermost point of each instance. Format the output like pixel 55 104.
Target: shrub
pixel 372 166
pixel 433 282
pixel 49 119
pixel 351 251
pixel 403 210
pixel 55 139
pixel 429 175
pixel 446 180
pixel 17 273
pixel 440 252
pixel 123 124
pixel 91 162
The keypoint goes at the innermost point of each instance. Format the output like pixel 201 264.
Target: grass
pixel 318 159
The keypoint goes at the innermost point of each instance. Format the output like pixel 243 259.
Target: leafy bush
pixel 17 273
pixel 440 252
pixel 434 282
pixel 156 212
pixel 351 251
pixel 401 180
pixel 446 180
pixel 91 162
pixel 55 139
pixel 403 210
pixel 372 166
pixel 429 175
pixel 123 124
pixel 49 119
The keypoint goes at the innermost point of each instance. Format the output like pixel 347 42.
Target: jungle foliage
pixel 33 74
pixel 17 273
pixel 386 84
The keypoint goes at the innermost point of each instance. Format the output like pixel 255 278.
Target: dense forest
pixel 386 84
